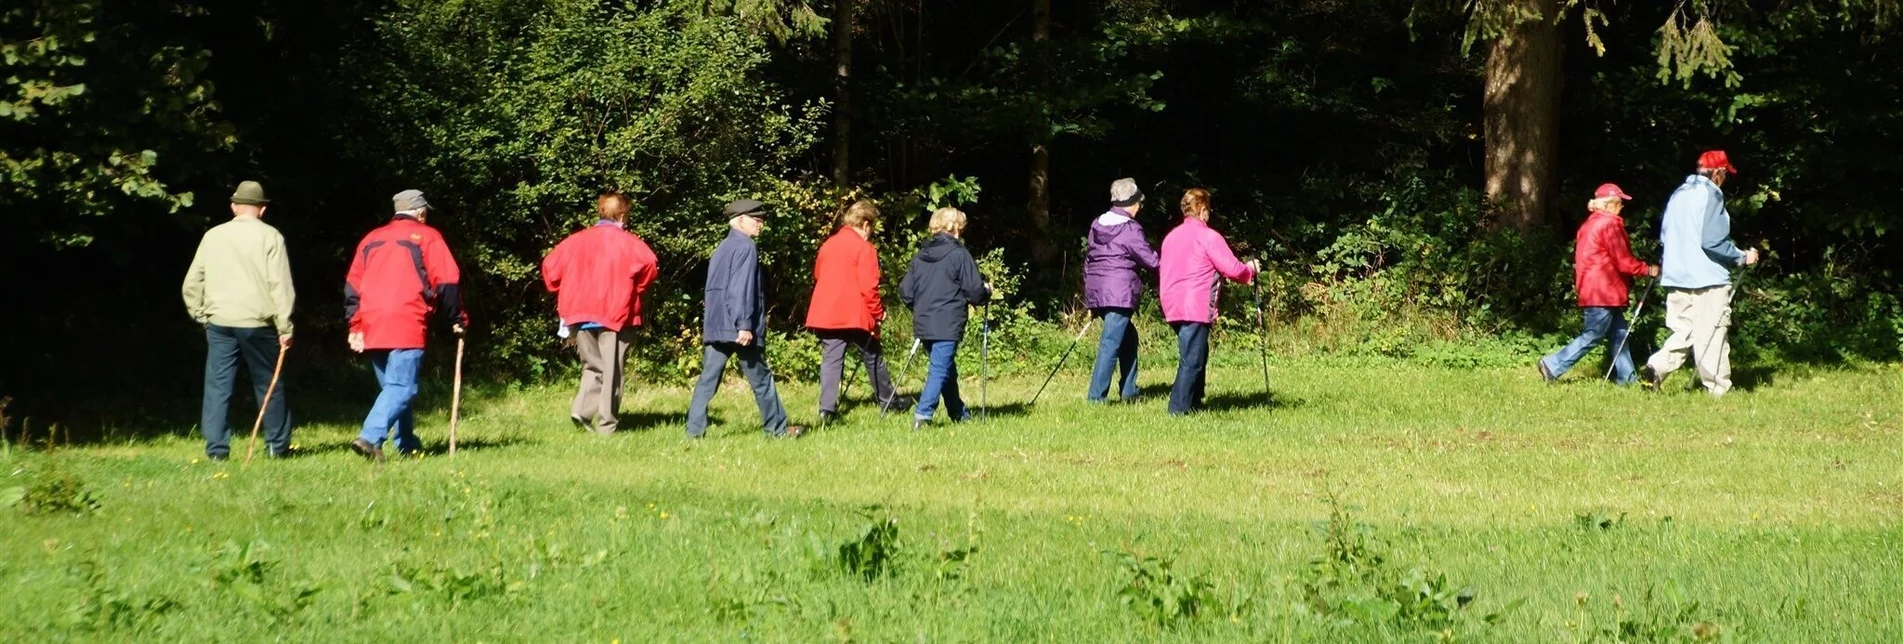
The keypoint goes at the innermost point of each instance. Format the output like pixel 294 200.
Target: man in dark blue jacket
pixel 733 324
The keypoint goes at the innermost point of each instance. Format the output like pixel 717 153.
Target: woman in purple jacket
pixel 1116 248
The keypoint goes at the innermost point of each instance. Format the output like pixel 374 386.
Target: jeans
pixel 941 380
pixel 1116 352
pixel 1192 366
pixel 259 346
pixel 396 372
pixel 753 367
pixel 832 365
pixel 1601 323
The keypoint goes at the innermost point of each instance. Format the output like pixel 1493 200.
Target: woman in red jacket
pixel 846 309
pixel 1602 264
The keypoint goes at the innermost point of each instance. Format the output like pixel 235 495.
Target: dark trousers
pixel 753 367
pixel 832 365
pixel 1192 367
pixel 604 354
pixel 259 346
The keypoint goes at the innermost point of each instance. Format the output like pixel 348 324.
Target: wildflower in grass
pixel 221 476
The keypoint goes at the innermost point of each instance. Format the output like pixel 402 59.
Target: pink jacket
pixel 1193 255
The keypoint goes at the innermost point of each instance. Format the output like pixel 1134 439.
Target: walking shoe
pixel 580 423
pixel 919 423
pixel 366 450
pixel 218 457
pixel 1546 373
pixel 827 417
pixel 1649 380
pixel 793 431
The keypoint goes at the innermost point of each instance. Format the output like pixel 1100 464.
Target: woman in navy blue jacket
pixel 941 285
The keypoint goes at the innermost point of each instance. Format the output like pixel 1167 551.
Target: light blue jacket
pixel 1696 237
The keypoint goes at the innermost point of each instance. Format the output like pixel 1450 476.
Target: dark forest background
pixel 1412 170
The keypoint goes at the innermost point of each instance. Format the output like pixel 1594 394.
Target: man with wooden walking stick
pixel 239 287
pixel 399 274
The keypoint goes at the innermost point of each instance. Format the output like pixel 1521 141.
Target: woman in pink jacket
pixel 1194 255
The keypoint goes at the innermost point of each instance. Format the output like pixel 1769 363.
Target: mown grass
pixel 1577 512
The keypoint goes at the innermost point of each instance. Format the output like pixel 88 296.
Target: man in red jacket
pixel 598 276
pixel 400 273
pixel 846 308
pixel 1602 265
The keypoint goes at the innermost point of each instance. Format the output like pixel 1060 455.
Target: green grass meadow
pixel 1373 501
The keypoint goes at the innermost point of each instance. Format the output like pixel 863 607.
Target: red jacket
pixel 1602 262
pixel 598 275
pixel 400 273
pixel 846 285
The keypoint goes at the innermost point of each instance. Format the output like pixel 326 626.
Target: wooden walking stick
pixel 456 397
pixel 265 403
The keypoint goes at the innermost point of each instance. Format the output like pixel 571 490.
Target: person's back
pixel 942 282
pixel 845 284
pixel 395 279
pixel 1696 227
pixel 240 281
pixel 1114 250
pixel 735 301
pixel 598 275
pixel 1194 255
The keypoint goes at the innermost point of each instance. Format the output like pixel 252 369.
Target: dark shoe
pixel 411 453
pixel 1649 380
pixel 579 422
pixel 218 457
pixel 366 450
pixel 1546 373
pixel 920 423
pixel 827 418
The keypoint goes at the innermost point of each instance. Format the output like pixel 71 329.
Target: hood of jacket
pixel 939 247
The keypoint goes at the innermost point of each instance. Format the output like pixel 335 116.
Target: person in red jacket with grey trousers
pixel 400 274
pixel 846 308
pixel 598 276
pixel 1602 267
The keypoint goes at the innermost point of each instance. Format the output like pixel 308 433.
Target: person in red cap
pixel 1602 267
pixel 1695 239
pixel 400 274
pixel 598 276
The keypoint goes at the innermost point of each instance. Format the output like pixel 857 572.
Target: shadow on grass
pixel 441 448
pixel 1252 400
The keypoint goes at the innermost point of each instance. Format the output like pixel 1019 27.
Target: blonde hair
pixel 861 213
pixel 948 220
pixel 1195 200
pixel 612 205
pixel 1604 203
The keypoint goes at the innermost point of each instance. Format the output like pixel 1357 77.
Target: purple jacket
pixel 1114 251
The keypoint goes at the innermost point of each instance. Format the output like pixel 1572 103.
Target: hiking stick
pixel 1262 327
pixel 265 404
pixel 456 397
pixel 1061 361
pixel 1629 323
pixel 984 363
pixel 886 406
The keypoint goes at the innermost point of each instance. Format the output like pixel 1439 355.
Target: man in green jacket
pixel 239 287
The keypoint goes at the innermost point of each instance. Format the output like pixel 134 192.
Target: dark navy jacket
pixel 735 298
pixel 943 280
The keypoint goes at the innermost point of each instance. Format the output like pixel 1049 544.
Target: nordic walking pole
pixel 456 397
pixel 1262 328
pixel 886 406
pixel 265 403
pixel 984 363
pixel 1628 326
pixel 1062 360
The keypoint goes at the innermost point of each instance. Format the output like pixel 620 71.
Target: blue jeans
pixel 752 359
pixel 1192 366
pixel 259 347
pixel 941 379
pixel 1116 352
pixel 396 372
pixel 1601 323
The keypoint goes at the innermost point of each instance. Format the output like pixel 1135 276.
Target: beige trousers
pixel 1699 320
pixel 603 355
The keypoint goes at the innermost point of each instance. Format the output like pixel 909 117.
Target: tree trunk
pixel 842 89
pixel 1043 251
pixel 1522 120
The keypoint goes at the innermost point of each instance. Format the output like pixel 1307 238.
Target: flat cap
pixel 751 207
pixel 409 200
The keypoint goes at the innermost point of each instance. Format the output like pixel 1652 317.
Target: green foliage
pixel 1354 581
pixel 1161 598
pixel 875 552
pixel 46 488
pixel 102 606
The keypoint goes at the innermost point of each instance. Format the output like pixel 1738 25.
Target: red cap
pixel 1611 190
pixel 1715 160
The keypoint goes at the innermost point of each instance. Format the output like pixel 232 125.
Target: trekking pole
pixel 456 396
pixel 1628 326
pixel 1061 361
pixel 1262 327
pixel 886 406
pixel 984 363
pixel 265 403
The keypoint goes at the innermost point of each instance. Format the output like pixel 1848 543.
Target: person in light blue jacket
pixel 1695 238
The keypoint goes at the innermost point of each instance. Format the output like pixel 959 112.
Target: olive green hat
pixel 249 193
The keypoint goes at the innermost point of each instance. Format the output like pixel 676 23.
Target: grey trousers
pixel 752 359
pixel 832 365
pixel 604 354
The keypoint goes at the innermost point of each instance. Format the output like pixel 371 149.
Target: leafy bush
pixel 875 552
pixel 1353 582
pixel 47 490
pixel 1162 598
